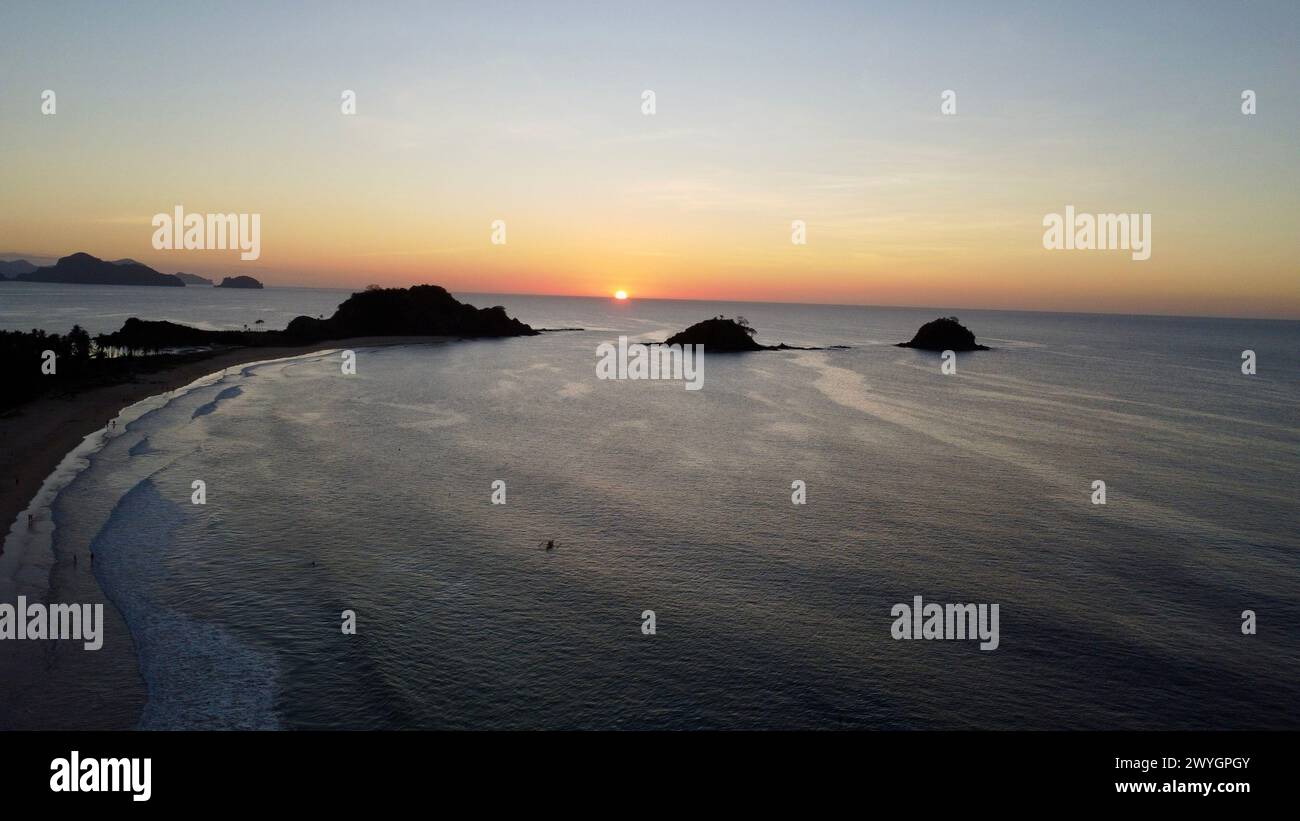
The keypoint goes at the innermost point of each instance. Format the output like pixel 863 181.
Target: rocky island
pixel 944 334
pixel 240 282
pixel 720 334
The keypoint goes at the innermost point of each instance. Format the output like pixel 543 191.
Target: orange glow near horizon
pixel 905 249
pixel 897 203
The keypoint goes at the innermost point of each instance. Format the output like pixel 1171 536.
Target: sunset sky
pixel 766 113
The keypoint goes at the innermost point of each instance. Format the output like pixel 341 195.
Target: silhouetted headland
pixel 421 310
pixel 944 334
pixel 83 269
pixel 86 269
pixel 720 334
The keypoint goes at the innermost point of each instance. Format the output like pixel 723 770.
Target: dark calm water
pixel 103 308
pixel 372 493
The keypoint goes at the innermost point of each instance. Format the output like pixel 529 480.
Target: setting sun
pixel 620 295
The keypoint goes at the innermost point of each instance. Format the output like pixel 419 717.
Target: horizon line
pixel 863 305
pixel 5 257
pixel 608 298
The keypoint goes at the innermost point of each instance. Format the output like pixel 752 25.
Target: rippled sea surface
pixel 372 493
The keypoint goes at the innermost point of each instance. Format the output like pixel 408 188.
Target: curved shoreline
pixel 40 434
pixel 48 442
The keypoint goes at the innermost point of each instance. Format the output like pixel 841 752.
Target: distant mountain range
pixel 83 269
pixel 11 270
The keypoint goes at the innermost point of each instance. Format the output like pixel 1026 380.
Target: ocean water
pixel 103 308
pixel 372 493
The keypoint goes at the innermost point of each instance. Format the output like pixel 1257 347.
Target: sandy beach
pixel 46 682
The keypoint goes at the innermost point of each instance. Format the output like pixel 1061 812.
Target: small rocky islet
pixel 944 334
pixel 724 335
